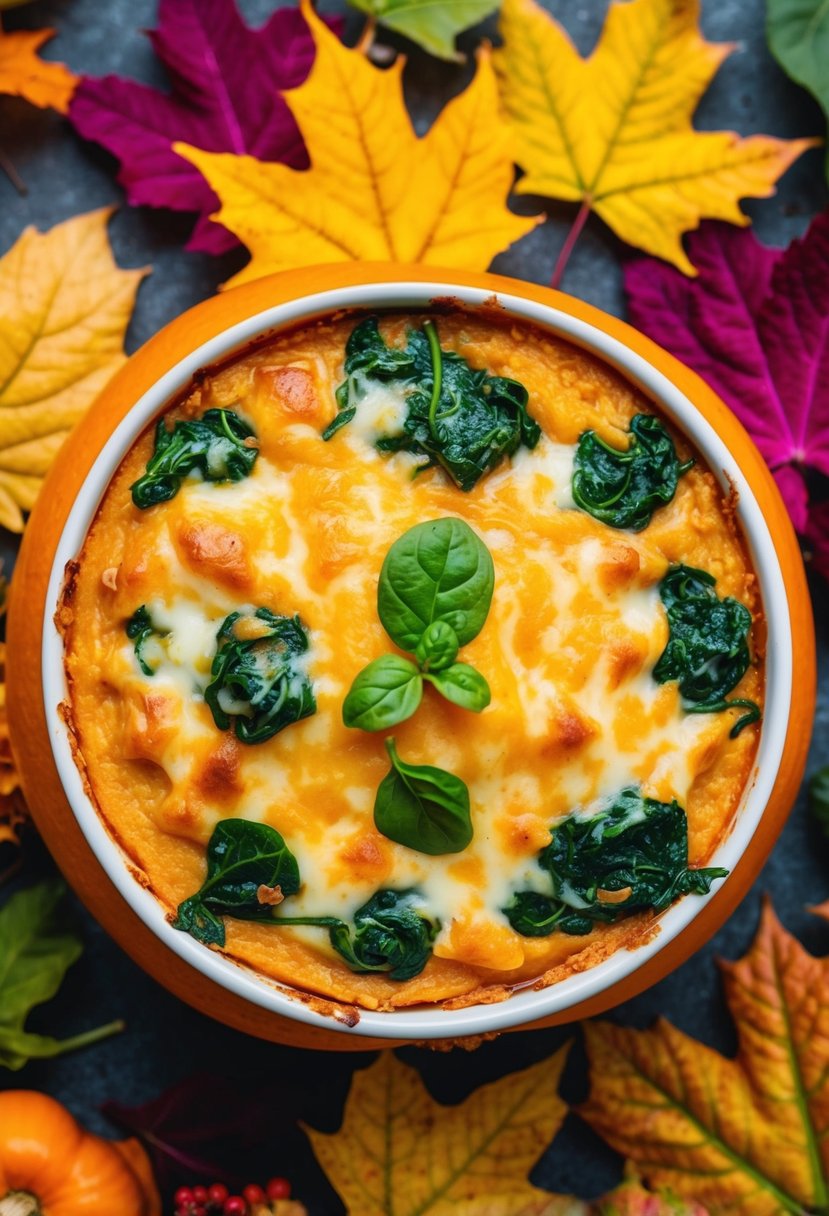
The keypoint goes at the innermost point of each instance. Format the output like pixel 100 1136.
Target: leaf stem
pixel 12 174
pixel 87 1037
pixel 569 244
pixel 366 39
pixel 437 374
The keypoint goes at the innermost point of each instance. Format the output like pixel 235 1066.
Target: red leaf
pixel 755 325
pixel 226 96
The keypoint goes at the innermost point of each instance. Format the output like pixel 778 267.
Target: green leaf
pixel 437 571
pixel 260 683
pixel 462 685
pixel 798 36
pixel 432 24
pixel 438 648
pixel 219 446
pixel 623 488
pixel 36 951
pixel 423 807
pixel 384 693
pixel 390 934
pixel 707 650
pixel 141 630
pixel 457 416
pixel 630 856
pixel 819 797
pixel 248 867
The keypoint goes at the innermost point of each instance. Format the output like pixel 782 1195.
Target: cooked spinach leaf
pixel 384 693
pixel 707 650
pixel 423 807
pixel 250 870
pixel 631 856
pixel 259 683
pixel 624 488
pixel 140 629
pixel 439 570
pixel 465 420
pixel 219 445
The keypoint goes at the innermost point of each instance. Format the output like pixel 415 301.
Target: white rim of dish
pixel 525 1005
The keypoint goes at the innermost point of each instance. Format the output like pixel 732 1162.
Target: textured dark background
pixel 166 1040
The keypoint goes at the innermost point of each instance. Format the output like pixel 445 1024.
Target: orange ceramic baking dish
pixel 93 861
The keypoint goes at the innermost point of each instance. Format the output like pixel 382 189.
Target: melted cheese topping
pixel 573 632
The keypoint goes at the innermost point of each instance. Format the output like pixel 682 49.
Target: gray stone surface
pixel 167 1040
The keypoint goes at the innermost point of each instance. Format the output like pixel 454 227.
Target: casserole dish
pixel 209 335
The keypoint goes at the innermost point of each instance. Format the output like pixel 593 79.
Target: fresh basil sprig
pixel 259 684
pixel 624 488
pixel 250 869
pixel 433 597
pixel 631 856
pixel 465 420
pixel 707 650
pixel 423 807
pixel 219 445
pixel 140 629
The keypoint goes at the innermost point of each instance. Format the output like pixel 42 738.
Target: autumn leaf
pixel 739 1135
pixel 12 805
pixel 400 1150
pixel 25 75
pixel 432 24
pixel 71 305
pixel 226 96
pixel 755 325
pixel 374 190
pixel 613 132
pixel 798 34
pixel 632 1199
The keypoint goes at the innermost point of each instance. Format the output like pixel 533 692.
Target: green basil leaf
pixel 624 488
pixel 246 863
pixel 36 951
pixel 219 446
pixel 462 685
pixel 432 26
pixel 438 648
pixel 437 571
pixel 457 416
pixel 819 797
pixel 384 693
pixel 707 650
pixel 260 684
pixel 423 807
pixel 633 855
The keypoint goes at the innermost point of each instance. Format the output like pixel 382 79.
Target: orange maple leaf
pixel 614 131
pixel 374 191
pixel 748 1135
pixel 24 74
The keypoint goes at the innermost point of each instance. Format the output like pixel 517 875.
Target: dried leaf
pixel 71 306
pixel 432 24
pixel 398 1151
pixel 632 1199
pixel 226 96
pixel 614 131
pixel 374 190
pixel 755 325
pixel 23 74
pixel 798 34
pixel 13 812
pixel 741 1135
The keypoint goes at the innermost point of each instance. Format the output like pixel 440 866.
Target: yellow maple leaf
pixel 68 305
pixel 746 1135
pixel 24 74
pixel 375 191
pixel 398 1151
pixel 614 131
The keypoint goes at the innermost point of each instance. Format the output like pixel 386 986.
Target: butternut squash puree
pixel 573 632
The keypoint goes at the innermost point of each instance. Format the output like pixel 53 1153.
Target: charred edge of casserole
pixel 470 1042
pixel 64 615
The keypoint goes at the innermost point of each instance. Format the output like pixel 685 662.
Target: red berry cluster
pixel 216 1200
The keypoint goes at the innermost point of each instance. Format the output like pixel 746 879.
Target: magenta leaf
pixel 210 1129
pixel 226 96
pixel 755 325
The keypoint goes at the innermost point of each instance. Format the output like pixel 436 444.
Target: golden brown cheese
pixel 574 630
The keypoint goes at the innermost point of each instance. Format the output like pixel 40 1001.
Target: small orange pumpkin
pixel 51 1166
